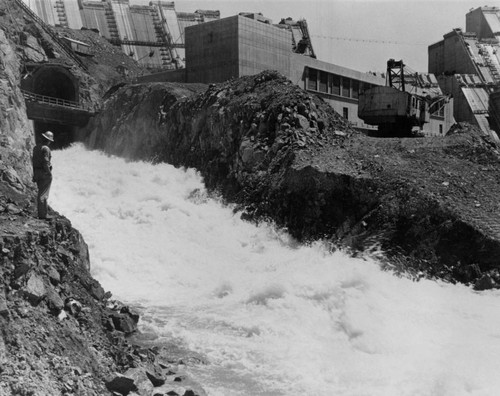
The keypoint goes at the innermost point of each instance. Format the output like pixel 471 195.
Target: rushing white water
pixel 271 317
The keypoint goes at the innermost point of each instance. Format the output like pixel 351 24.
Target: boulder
pixel 54 301
pixel 121 384
pixel 54 275
pixel 156 378
pixel 133 315
pixel 302 122
pixel 13 209
pixel 485 282
pixel 22 268
pixel 123 322
pixel 35 289
pixel 97 291
pixel 141 380
pixel 11 177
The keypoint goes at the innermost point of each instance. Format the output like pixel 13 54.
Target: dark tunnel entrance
pixel 54 81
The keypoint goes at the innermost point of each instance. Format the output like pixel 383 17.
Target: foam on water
pixel 272 317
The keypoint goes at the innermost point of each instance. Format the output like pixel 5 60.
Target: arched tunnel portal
pixel 54 81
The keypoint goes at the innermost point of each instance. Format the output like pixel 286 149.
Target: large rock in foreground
pixel 283 154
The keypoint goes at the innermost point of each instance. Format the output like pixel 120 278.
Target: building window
pixel 313 75
pixel 323 82
pixel 335 85
pixel 440 129
pixel 355 89
pixel 437 109
pixel 345 112
pixel 346 87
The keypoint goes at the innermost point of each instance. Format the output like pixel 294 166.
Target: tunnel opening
pixel 56 82
pixel 53 81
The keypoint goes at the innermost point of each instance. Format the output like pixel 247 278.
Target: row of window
pixel 334 84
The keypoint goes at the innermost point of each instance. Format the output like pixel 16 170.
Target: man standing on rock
pixel 42 172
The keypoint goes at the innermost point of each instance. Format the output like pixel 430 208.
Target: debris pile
pixel 283 154
pixel 248 129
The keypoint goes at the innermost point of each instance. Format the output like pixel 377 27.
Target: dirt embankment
pixel 283 154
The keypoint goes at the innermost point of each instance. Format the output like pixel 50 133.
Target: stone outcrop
pixel 60 334
pixel 283 154
pixel 128 126
pixel 16 137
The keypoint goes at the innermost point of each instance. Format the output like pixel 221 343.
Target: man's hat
pixel 48 135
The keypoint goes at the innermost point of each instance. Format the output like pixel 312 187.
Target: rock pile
pixel 246 131
pixel 60 331
pixel 284 154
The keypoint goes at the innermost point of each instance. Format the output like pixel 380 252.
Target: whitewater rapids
pixel 270 316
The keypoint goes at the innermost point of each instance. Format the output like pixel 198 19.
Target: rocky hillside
pixel 128 125
pixel 60 332
pixel 428 204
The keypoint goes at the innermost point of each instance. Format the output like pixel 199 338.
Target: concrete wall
pixel 262 47
pixel 212 53
pixel 450 56
pixel 436 62
pixel 233 47
pixel 461 108
pixel 495 109
pixel 477 23
pixel 456 55
pixel 94 17
pixel 473 21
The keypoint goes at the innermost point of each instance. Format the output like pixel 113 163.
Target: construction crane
pixel 401 105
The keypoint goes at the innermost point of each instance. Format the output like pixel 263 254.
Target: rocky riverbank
pixel 60 332
pixel 428 205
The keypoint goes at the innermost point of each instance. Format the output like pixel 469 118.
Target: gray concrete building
pixel 484 21
pixel 239 45
pixel 467 66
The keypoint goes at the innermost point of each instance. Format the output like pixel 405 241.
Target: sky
pixel 358 34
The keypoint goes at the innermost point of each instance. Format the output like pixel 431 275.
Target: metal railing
pixel 33 97
pixel 165 44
